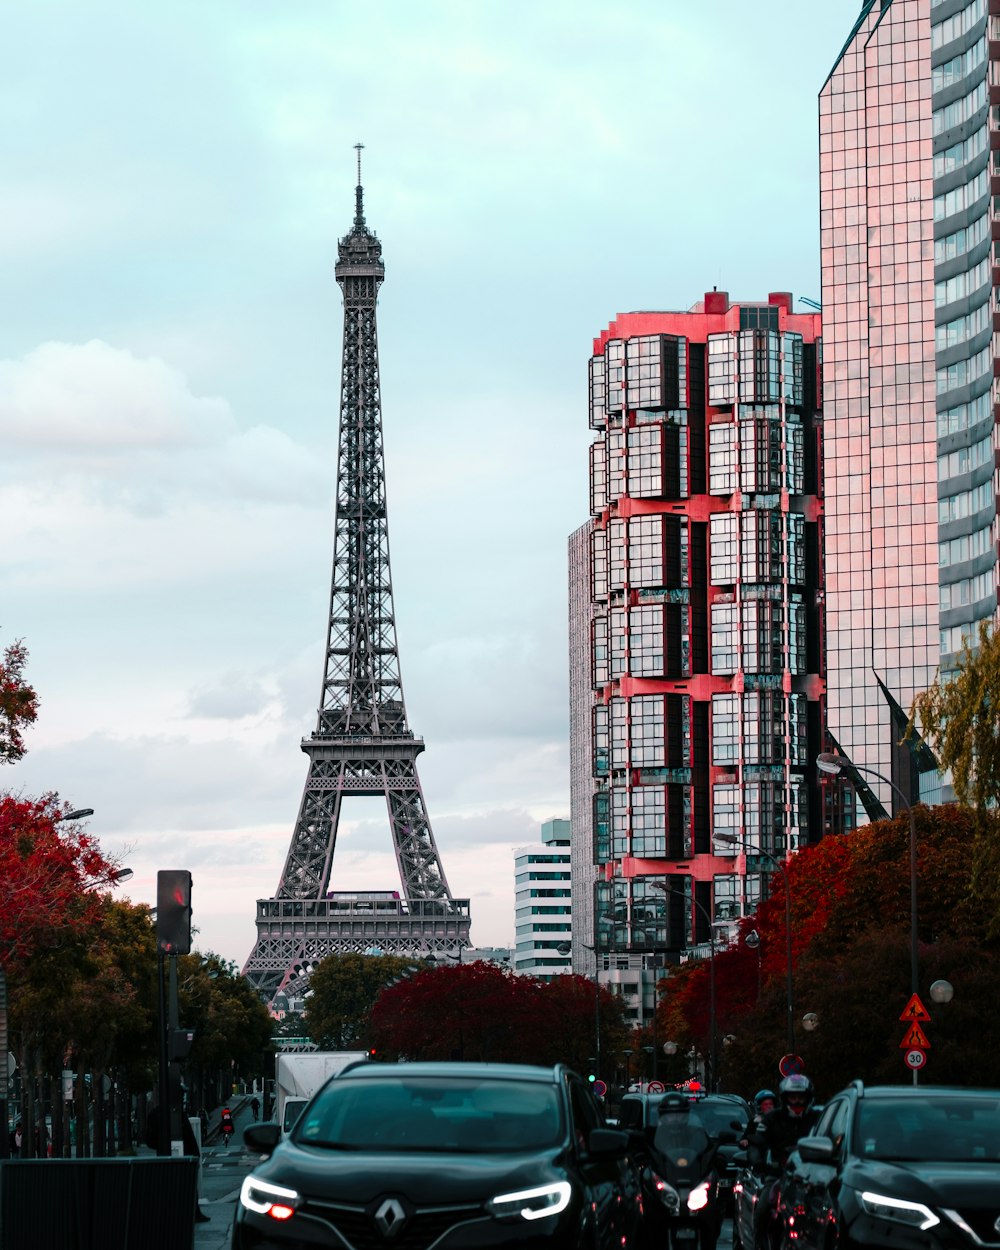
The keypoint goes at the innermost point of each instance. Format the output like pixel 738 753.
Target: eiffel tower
pixel 362 744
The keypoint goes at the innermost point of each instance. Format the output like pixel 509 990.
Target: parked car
pixel 720 1113
pixel 896 1166
pixel 450 1154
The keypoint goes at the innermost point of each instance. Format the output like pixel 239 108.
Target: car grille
pixel 423 1228
pixel 983 1222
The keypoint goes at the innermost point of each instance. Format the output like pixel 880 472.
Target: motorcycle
pixel 682 1203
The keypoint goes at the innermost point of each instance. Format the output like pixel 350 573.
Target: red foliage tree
pixel 46 871
pixel 18 703
pixel 469 1011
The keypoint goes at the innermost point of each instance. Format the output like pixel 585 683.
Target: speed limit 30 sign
pixel 915 1059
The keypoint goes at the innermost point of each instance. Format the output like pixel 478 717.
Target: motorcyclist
pixel 226 1124
pixel 779 1130
pixel 763 1101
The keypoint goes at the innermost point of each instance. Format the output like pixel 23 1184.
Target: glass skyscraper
pixel 703 688
pixel 909 134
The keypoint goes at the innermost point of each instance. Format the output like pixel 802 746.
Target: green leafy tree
pixel 232 1027
pixel 960 717
pixel 343 991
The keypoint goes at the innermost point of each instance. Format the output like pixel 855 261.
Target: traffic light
pixel 372 1052
pixel 592 1078
pixel 173 911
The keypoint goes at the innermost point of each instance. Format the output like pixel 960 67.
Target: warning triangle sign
pixel 915 1039
pixel 915 1010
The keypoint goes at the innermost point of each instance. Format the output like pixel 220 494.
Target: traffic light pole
pixel 174 1068
pixel 163 1084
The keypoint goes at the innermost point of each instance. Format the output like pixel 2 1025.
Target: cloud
pixel 233 697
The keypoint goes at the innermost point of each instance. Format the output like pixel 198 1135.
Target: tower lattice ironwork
pixel 362 744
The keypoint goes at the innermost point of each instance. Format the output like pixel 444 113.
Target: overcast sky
pixel 173 181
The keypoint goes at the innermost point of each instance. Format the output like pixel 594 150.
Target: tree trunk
pixel 100 1112
pixel 27 1103
pixel 58 1118
pixel 82 1116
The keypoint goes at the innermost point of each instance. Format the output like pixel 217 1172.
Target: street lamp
pixel 831 763
pixel 597 1012
pixel 713 1041
pixel 730 839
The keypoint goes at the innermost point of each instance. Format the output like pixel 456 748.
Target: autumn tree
pixel 851 915
pixel 18 703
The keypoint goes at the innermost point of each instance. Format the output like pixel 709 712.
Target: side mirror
pixel 816 1150
pixel 263 1137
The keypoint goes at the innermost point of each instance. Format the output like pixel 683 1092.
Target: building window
pixel 722 559
pixel 725 729
pixel 724 638
pixel 721 458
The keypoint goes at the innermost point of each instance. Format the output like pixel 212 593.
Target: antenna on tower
pixel 359 210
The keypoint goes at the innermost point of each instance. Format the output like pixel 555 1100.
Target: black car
pixel 447 1155
pixel 720 1113
pixel 899 1166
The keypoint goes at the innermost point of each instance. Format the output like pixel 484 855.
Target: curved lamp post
pixel 712 1039
pixel 832 764
pixel 730 839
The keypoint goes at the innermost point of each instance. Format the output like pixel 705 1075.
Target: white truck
pixel 298 1075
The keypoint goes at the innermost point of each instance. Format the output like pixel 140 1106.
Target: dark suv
pixel 449 1155
pixel 896 1166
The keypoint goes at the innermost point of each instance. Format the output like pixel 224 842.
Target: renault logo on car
pixel 996 1224
pixel 389 1218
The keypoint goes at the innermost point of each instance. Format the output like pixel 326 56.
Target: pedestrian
pixel 255 1107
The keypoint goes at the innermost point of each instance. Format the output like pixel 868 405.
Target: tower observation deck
pixel 362 744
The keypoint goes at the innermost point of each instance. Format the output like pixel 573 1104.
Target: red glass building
pixel 704 675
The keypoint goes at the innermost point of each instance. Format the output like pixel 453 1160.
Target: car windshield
pixel 957 1128
pixel 464 1114
pixel 714 1116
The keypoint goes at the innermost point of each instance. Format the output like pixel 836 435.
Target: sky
pixel 173 181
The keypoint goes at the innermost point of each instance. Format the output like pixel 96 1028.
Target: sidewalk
pixel 222 1172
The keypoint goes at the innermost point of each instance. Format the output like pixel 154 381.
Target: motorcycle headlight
pixel 698 1197
pixel 267 1199
pixel 912 1214
pixel 532 1204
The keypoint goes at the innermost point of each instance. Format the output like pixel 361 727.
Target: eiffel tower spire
pixel 362 744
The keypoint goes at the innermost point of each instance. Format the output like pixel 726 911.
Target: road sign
pixel 915 1037
pixel 599 1088
pixel 791 1065
pixel 654 1087
pixel 915 1059
pixel 915 1010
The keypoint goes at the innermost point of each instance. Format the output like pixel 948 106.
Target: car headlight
pixel 698 1197
pixel 532 1204
pixel 913 1214
pixel 267 1199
